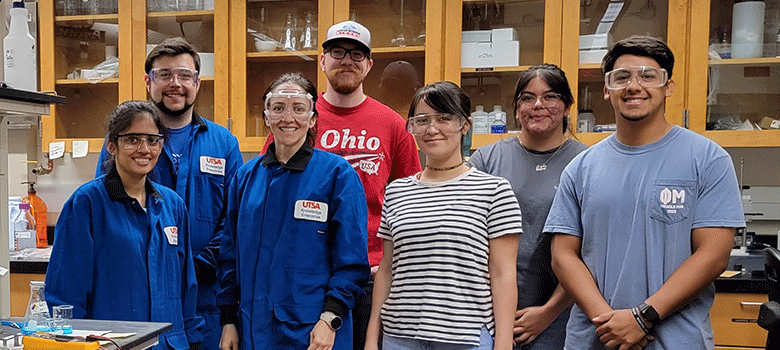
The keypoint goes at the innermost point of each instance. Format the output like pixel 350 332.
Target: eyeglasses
pixel 300 105
pixel 444 122
pixel 648 77
pixel 133 141
pixel 185 76
pixel 528 100
pixel 356 55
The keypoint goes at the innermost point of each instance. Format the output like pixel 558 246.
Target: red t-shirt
pixel 373 138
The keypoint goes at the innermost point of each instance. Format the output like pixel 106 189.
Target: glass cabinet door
pixel 79 59
pixel 269 38
pixel 586 41
pixel 498 40
pixel 735 72
pixel 206 29
pixel 398 47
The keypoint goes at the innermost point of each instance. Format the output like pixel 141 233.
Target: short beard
pixel 344 88
pixel 634 119
pixel 169 112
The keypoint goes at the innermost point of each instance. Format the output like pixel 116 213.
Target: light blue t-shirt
pixel 634 208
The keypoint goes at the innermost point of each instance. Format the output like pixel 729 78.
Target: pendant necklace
pixel 444 169
pixel 543 166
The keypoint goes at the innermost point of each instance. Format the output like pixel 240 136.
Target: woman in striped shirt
pixel 447 275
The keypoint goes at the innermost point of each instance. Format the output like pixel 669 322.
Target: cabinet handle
pixel 750 303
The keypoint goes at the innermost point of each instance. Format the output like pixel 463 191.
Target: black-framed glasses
pixel 133 141
pixel 549 99
pixel 444 122
pixel 649 77
pixel 185 76
pixel 356 54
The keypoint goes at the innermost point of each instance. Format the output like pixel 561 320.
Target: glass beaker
pixel 63 314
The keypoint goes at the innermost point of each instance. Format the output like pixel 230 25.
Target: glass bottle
pixel 309 34
pixel 289 39
pixel 37 310
pixel 777 43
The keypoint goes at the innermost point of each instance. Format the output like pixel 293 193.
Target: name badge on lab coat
pixel 211 165
pixel 172 233
pixel 311 210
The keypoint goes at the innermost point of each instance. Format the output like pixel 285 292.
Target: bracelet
pixel 635 312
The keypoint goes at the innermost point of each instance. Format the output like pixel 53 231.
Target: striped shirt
pixel 440 232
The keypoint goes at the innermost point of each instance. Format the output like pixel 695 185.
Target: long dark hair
pixel 123 116
pixel 298 79
pixel 444 97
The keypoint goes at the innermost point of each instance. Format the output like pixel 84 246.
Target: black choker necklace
pixel 443 169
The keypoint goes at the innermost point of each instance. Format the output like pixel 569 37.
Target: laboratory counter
pixel 144 334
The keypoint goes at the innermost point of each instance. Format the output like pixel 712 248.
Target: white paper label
pixel 311 210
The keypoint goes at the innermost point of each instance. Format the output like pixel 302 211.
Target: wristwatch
pixel 649 314
pixel 333 321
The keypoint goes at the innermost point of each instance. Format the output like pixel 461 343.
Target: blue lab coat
pixel 203 190
pixel 284 257
pixel 112 260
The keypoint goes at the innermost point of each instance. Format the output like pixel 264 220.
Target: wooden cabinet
pixel 733 318
pixel 403 56
pixel 72 44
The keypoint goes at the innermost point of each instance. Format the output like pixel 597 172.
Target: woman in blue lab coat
pixel 294 254
pixel 121 247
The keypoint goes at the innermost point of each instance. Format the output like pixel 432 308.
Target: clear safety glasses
pixel 528 100
pixel 133 141
pixel 184 76
pixel 299 104
pixel 444 122
pixel 649 77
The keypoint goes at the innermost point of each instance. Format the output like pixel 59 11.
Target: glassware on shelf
pixel 419 39
pixel 308 39
pixel 353 16
pixel 401 37
pixel 261 31
pixel 289 37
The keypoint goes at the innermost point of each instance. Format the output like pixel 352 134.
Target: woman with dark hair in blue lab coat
pixel 294 254
pixel 121 247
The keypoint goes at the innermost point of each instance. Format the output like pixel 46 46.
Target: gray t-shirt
pixel 534 191
pixel 634 209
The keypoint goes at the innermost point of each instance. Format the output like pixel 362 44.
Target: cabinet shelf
pixel 398 52
pixel 746 61
pixel 183 16
pixel 494 69
pixel 74 82
pixel 744 138
pixel 105 18
pixel 283 55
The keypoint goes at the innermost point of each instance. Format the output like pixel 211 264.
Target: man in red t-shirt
pixel 368 134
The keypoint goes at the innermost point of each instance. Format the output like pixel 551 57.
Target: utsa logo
pixel 310 205
pixel 215 161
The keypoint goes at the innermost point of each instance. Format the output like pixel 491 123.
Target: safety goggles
pixel 528 100
pixel 648 77
pixel 299 104
pixel 444 122
pixel 133 141
pixel 184 76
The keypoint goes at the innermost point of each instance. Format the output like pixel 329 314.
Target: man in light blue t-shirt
pixel 643 222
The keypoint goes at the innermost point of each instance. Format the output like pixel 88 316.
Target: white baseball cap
pixel 348 30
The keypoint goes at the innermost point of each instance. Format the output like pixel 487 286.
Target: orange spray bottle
pixel 38 209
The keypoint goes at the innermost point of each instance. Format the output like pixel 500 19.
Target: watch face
pixel 335 323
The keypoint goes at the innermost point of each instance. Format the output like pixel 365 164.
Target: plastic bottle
pixel 19 64
pixel 497 120
pixel 479 119
pixel 24 227
pixel 585 121
pixel 39 213
pixel 37 310
pixel 13 212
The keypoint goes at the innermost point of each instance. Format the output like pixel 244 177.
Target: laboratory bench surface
pixel 146 333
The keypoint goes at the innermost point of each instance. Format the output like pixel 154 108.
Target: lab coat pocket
pixel 209 190
pixel 177 340
pixel 309 253
pixel 173 274
pixel 671 200
pixel 298 314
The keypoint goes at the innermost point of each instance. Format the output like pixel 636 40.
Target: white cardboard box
pixel 476 55
pixel 475 36
pixel 507 54
pixel 505 34
pixel 592 56
pixel 594 41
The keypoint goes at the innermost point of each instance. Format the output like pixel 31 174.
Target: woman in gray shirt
pixel 533 162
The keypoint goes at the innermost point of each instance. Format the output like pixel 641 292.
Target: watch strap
pixel 649 314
